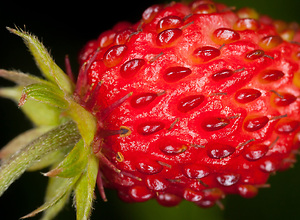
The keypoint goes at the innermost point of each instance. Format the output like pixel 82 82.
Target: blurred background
pixel 64 28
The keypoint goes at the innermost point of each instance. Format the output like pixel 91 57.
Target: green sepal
pixel 45 93
pixel 50 159
pixel 84 191
pixel 39 113
pixel 53 100
pixel 22 79
pixel 42 114
pixel 53 185
pixel 63 136
pixel 86 122
pixel 74 163
pixel 21 141
pixel 44 61
pixel 63 188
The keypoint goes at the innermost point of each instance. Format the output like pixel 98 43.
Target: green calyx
pixel 61 127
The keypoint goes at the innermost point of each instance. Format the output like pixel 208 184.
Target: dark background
pixel 64 28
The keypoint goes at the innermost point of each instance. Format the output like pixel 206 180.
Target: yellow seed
pixel 127 133
pixel 120 157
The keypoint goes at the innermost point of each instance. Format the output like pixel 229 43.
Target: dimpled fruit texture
pixel 195 101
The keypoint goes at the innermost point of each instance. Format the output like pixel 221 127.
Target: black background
pixel 64 28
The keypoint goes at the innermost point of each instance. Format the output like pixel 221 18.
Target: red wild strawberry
pixel 214 108
pixel 193 102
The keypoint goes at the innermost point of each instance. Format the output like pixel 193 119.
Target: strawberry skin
pixel 194 101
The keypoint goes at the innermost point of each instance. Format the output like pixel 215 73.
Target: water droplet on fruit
pixel 225 36
pixel 247 191
pixel 228 179
pixel 87 52
pixel 106 38
pixel 246 24
pixel 247 95
pixel 195 4
pixel 280 25
pixel 296 79
pixel 150 13
pixel 124 196
pixel 114 55
pixel 288 34
pixel 168 37
pixel 205 54
pixel 131 68
pixel 287 162
pixel 247 13
pixel 151 127
pixel 214 123
pixel 122 180
pixel 205 203
pixel 255 54
pixel 192 196
pixel 174 74
pixel 205 8
pixel 168 200
pixel 296 141
pixel 254 124
pixel 286 126
pixel 155 183
pixel 271 75
pixel 140 193
pixel 214 194
pixel 169 22
pixel 121 25
pixel 189 103
pixel 149 167
pixel 268 165
pixel 297 56
pixel 222 74
pixel 255 152
pixel 219 151
pixel 283 99
pixel 143 99
pixel 195 171
pixel 122 36
pixel 270 42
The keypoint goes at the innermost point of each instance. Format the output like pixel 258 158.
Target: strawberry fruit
pixel 195 101
pixel 205 99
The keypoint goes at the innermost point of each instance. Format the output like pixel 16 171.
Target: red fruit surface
pixel 194 101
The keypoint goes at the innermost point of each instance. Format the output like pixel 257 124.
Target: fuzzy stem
pixel 61 137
